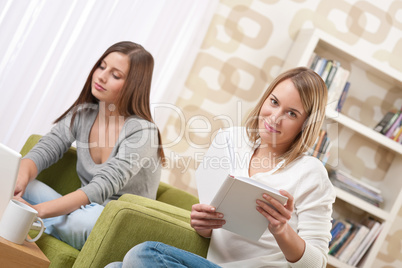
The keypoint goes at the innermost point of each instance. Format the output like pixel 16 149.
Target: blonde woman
pixel 278 132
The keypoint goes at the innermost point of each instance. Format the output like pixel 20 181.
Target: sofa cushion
pixel 175 197
pixel 59 254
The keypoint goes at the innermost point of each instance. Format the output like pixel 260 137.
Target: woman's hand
pixel 26 173
pixel 60 206
pixel 36 207
pixel 204 219
pixel 278 217
pixel 291 244
pixel 20 187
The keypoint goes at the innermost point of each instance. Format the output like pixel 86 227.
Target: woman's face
pixel 110 76
pixel 282 116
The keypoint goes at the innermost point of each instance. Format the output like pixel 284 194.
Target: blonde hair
pixel 313 95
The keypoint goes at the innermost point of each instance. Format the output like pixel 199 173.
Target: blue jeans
pixel 73 228
pixel 155 254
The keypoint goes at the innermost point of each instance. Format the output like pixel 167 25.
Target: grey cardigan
pixel 133 166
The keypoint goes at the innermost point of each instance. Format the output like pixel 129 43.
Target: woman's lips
pixel 99 87
pixel 269 128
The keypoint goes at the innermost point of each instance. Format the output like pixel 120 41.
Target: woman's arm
pixel 204 219
pixel 60 206
pixel 26 173
pixel 290 243
pixel 312 199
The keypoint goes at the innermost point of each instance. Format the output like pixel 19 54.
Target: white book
pixel 353 245
pixel 362 183
pixel 216 165
pixel 366 243
pixel 336 88
pixel 236 199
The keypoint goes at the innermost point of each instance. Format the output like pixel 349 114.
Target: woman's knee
pixel 38 192
pixel 140 251
pixel 78 225
pixel 84 219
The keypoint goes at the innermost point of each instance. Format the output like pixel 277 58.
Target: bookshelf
pixel 368 78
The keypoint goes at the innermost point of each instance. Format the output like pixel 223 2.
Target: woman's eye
pixel 116 76
pixel 292 114
pixel 102 67
pixel 273 101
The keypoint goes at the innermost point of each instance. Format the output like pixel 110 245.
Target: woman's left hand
pixel 277 214
pixel 20 199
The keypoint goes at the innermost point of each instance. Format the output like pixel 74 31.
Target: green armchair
pixel 123 223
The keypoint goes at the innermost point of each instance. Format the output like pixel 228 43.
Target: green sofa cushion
pixel 123 225
pixel 59 254
pixel 175 197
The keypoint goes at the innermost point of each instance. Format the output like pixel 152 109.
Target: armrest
pixel 123 225
pixel 30 143
pixel 176 197
pixel 167 209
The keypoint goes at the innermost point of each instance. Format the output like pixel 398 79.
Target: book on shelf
pixel 360 233
pixel 390 122
pixel 393 130
pixel 335 78
pixel 313 60
pixel 323 151
pixel 337 86
pixel 326 70
pixel 375 228
pixel 320 66
pixel 321 147
pixel 332 72
pixel 343 96
pixel 339 236
pixel 347 239
pixel 384 121
pixel 321 137
pixel 398 136
pixel 356 187
pixel 337 229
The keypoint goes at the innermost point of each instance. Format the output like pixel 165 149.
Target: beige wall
pixel 245 47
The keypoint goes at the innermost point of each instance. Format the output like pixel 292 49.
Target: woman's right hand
pixel 204 219
pixel 26 173
pixel 21 185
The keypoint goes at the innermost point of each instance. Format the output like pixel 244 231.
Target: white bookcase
pixel 363 71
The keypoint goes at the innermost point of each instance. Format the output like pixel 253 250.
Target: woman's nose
pixel 102 76
pixel 276 117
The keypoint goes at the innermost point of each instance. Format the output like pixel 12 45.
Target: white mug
pixel 16 222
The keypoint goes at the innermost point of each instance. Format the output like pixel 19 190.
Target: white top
pixel 307 180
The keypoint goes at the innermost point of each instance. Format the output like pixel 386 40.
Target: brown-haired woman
pixel 118 145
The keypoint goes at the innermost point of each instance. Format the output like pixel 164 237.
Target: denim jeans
pixel 155 254
pixel 73 228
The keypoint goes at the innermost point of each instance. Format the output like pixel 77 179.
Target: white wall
pixel 47 48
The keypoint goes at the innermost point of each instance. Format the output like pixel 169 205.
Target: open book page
pixel 216 165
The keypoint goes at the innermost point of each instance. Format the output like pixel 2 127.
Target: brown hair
pixel 134 98
pixel 313 94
